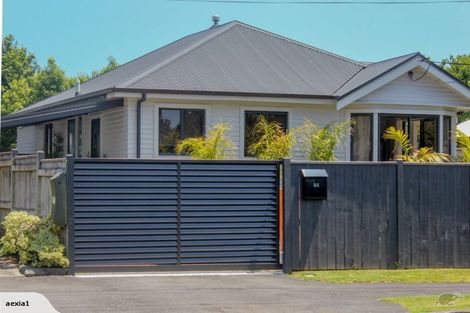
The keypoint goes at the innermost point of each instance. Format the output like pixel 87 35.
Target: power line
pixel 353 2
pixel 452 63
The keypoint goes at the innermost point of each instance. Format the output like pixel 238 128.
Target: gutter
pixel 139 130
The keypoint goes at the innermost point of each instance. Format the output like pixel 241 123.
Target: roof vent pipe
pixel 77 87
pixel 215 20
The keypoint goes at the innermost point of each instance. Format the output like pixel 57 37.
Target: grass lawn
pixel 393 276
pixel 422 304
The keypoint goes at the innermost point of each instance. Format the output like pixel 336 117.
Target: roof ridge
pixel 219 30
pixel 331 54
pixel 367 66
pixel 347 81
pixel 411 56
pixel 400 56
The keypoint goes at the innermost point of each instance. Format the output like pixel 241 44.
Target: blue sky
pixel 81 34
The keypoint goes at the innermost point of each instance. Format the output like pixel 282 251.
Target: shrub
pixel 45 249
pixel 464 146
pixel 216 146
pixel 272 142
pixel 319 143
pixel 411 153
pixel 33 241
pixel 18 231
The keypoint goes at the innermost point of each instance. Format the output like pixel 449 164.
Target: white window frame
pixel 375 135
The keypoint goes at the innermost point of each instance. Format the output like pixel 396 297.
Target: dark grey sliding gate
pixel 182 214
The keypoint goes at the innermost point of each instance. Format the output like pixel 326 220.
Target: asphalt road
pixel 258 293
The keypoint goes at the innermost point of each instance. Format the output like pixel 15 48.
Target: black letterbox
pixel 314 184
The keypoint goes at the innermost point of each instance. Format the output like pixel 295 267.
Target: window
pixel 447 135
pixel 80 139
pixel 95 138
pixel 361 137
pixel 71 137
pixel 251 118
pixel 421 130
pixel 48 135
pixel 178 124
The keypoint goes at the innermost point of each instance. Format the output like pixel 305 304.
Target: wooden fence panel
pixel 47 169
pixel 24 182
pixel 437 214
pixel 379 215
pixel 353 227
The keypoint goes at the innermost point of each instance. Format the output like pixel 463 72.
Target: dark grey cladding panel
pixel 137 213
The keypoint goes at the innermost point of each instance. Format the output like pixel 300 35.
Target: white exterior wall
pixel 234 115
pixel 26 140
pixel 131 105
pixel 427 91
pixel 114 133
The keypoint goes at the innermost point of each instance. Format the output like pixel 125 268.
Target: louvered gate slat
pixel 141 213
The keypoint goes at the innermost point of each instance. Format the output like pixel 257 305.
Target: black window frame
pixel 371 138
pixel 181 130
pixel 448 131
pixel 98 149
pixel 80 137
pixel 70 149
pixel 48 140
pixel 264 113
pixel 409 117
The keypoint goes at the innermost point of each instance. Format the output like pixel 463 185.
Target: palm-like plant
pixel 464 146
pixel 319 143
pixel 272 143
pixel 411 153
pixel 215 146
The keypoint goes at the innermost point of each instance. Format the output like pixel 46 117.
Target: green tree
pixel 25 82
pixel 16 96
pixel 112 64
pixel 50 81
pixel 18 68
pixel 215 146
pixel 17 62
pixel 458 66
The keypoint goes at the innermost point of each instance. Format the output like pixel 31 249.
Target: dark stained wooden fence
pixel 378 215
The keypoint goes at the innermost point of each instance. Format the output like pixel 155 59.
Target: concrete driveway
pixel 245 293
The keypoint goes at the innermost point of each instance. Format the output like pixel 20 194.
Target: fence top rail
pixel 448 164
pixel 26 157
pixel 306 162
pixel 4 156
pixel 172 160
pixel 381 163
pixel 58 160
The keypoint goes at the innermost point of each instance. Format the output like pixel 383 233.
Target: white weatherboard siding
pixel 427 91
pixel 131 105
pixel 233 114
pixel 114 133
pixel 86 136
pixel 147 134
pixel 26 140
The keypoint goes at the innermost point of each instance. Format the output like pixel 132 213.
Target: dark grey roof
pixel 234 58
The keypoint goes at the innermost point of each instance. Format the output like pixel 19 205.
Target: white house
pixel 233 73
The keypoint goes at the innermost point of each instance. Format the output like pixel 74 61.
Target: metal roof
pixel 233 58
pixel 372 71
